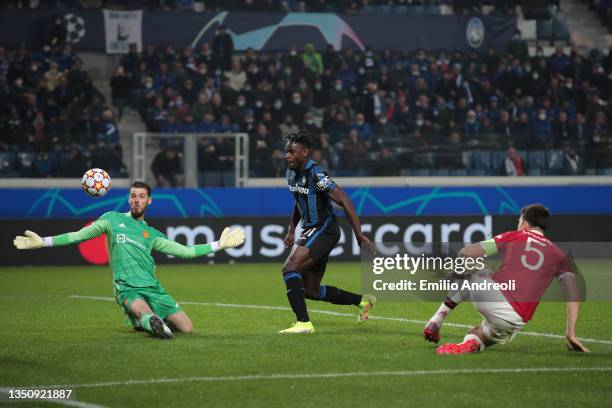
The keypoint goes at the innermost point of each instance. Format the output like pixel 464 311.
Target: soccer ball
pixel 75 28
pixel 96 182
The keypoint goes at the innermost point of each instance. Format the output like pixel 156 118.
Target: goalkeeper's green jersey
pixel 130 243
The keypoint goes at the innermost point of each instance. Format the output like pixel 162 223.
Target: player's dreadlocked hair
pixel 302 137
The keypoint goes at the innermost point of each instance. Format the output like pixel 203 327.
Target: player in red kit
pixel 530 262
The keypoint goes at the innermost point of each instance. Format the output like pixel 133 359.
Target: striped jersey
pixel 310 188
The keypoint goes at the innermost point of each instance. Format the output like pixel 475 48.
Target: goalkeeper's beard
pixel 136 214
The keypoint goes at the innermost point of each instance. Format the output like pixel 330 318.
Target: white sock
pixel 475 337
pixel 440 315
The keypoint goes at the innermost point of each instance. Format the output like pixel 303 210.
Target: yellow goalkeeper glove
pixel 30 241
pixel 230 239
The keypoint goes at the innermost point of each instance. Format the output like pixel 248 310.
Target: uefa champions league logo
pixel 475 32
pixel 331 26
pixel 75 28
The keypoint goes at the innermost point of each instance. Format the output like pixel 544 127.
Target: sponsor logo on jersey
pixel 122 239
pixel 146 234
pixel 122 225
pixel 298 189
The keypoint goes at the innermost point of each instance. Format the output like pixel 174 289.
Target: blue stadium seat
pixel 457 173
pixel 467 158
pixel 604 172
pixel 554 161
pixel 481 160
pixel 439 172
pixel 7 164
pixel 431 9
pixel 25 164
pixel 534 172
pixel 421 172
pixel 536 160
pixel 477 173
pixel 383 9
pixel 368 10
pixel 400 9
pixel 415 9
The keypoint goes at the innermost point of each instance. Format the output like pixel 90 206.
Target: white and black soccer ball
pixel 96 182
pixel 75 28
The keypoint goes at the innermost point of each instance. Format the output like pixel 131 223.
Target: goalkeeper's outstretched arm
pixel 229 239
pixel 32 240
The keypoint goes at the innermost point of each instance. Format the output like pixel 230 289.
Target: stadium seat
pixel 477 173
pixel 383 9
pixel 534 172
pixel 467 158
pixel 604 171
pixel 7 164
pixel 421 172
pixel 458 173
pixel 400 10
pixel 481 160
pixel 440 172
pixel 554 161
pixel 414 9
pixel 537 160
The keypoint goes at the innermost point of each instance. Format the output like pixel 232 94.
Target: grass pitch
pixel 235 358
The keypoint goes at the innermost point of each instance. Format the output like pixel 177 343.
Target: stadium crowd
pixel 402 112
pixel 52 118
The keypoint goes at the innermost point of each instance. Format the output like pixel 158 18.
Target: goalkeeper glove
pixel 30 241
pixel 230 239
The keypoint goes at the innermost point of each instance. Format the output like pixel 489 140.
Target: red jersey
pixel 532 261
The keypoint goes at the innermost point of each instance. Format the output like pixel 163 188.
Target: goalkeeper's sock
pixel 296 295
pixel 338 296
pixel 145 322
pixel 445 308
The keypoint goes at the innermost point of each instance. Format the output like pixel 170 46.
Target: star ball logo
pixel 75 28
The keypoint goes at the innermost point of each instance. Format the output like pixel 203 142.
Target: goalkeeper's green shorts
pixel 160 301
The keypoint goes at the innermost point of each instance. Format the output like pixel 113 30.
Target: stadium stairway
pixel 586 30
pixel 101 68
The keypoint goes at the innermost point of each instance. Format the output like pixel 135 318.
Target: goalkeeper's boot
pixel 432 332
pixel 467 347
pixel 300 328
pixel 159 328
pixel 367 303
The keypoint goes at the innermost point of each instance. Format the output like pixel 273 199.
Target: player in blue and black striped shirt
pixel 303 270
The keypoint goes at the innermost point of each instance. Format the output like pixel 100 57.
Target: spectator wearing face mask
pixel 312 60
pixel 363 129
pixel 296 108
pixel 542 130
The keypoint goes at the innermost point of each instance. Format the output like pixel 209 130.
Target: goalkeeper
pixel 130 242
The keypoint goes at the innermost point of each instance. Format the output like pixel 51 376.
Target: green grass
pixel 48 338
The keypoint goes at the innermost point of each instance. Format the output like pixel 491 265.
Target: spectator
pixel 108 132
pixel 121 88
pixel 572 163
pixel 353 154
pixel 237 77
pixel 223 48
pixel 312 60
pixel 166 168
pixel 513 164
pixel 74 165
pixel 363 129
pixel 542 130
pixel 385 165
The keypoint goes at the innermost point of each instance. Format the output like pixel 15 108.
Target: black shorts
pixel 321 239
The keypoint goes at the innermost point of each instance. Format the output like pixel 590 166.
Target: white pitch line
pixel 66 402
pixel 328 312
pixel 315 376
